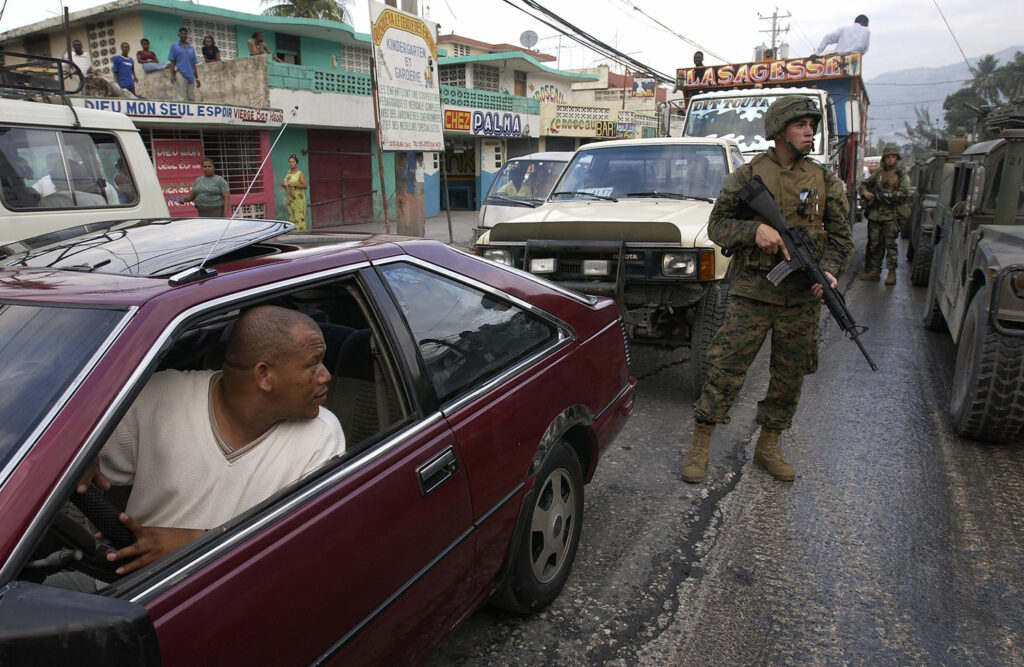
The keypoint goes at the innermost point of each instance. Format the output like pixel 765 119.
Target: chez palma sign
pixel 490 123
pixel 808 69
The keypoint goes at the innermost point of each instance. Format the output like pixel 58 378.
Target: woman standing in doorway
pixel 294 185
pixel 210 193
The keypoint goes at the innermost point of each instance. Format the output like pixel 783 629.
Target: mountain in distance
pixel 895 95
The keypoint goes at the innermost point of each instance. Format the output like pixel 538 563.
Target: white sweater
pixel 166 448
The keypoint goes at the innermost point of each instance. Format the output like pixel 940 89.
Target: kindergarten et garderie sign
pixel 405 64
pixel 807 70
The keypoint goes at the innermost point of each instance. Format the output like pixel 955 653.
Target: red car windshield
pixel 42 351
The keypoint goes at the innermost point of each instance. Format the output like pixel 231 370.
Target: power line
pixel 955 40
pixel 686 39
pixel 581 36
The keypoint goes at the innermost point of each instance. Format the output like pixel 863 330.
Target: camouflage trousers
pixel 794 353
pixel 882 242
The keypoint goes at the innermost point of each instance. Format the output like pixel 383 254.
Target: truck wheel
pixel 988 382
pixel 552 521
pixel 709 316
pixel 921 264
pixel 933 319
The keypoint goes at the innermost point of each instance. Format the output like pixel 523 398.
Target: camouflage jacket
pixel 807 195
pixel 892 182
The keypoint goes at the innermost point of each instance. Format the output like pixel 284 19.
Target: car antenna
pixel 199 272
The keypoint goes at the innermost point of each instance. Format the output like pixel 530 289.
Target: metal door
pixel 340 186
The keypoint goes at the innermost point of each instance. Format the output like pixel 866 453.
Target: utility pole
pixel 775 30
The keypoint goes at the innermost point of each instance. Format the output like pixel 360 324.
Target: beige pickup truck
pixel 629 219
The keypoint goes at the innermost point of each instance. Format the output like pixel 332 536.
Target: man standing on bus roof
pixel 853 38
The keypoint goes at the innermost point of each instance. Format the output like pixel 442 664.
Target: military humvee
pixel 933 180
pixel 976 283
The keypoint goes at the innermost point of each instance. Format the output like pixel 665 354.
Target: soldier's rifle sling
pixel 756 197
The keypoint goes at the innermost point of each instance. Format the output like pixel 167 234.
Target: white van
pixel 61 168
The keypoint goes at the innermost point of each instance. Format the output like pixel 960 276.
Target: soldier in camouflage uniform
pixel 884 215
pixel 807 195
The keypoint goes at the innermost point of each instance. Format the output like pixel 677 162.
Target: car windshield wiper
pixel 584 192
pixel 528 201
pixel 668 195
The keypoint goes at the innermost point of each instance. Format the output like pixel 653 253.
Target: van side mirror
pixel 974 197
pixel 42 625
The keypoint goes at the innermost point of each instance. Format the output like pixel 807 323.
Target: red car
pixel 475 399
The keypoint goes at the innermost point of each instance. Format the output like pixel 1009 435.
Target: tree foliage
pixel 993 84
pixel 923 136
pixel 330 10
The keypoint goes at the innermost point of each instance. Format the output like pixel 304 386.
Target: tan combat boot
pixel 768 456
pixel 871 274
pixel 696 461
pixel 890 277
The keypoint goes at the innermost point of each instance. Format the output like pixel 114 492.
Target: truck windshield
pixel 524 179
pixel 42 351
pixel 739 118
pixel 651 170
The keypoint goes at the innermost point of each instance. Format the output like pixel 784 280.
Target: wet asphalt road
pixel 899 543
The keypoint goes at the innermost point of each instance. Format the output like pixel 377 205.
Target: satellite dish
pixel 528 39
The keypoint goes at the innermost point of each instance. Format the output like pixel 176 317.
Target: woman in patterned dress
pixel 294 185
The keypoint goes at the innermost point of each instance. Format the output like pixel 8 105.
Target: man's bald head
pixel 265 333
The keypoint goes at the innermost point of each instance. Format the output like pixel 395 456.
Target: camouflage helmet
pixel 890 149
pixel 787 109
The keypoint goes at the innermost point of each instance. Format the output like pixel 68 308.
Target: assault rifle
pixel 756 197
pixel 879 198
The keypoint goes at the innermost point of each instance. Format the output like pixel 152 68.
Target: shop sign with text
pixel 186 112
pixel 178 164
pixel 490 123
pixel 808 69
pixel 404 59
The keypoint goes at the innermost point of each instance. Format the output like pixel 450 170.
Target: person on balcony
pixel 183 60
pixel 211 53
pixel 148 59
pixel 257 47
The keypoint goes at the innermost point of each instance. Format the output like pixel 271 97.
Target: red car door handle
pixel 437 470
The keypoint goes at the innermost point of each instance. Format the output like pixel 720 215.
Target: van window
pixel 50 169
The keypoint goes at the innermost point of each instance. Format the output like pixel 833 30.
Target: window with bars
pixel 235 153
pixel 287 48
pixel 355 59
pixel 460 50
pixel 222 33
pixel 452 75
pixel 486 77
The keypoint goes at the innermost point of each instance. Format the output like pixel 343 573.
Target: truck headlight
pixel 1017 283
pixel 542 265
pixel 679 264
pixel 498 255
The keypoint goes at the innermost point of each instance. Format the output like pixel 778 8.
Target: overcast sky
pixel 906 34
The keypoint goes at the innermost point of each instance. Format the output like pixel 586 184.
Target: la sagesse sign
pixel 769 72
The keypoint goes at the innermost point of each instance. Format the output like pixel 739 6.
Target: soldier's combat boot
pixel 890 277
pixel 696 461
pixel 768 455
pixel 871 274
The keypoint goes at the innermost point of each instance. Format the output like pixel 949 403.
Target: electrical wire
pixel 582 37
pixel 955 40
pixel 669 30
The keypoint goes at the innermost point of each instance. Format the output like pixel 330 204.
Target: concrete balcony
pixel 483 99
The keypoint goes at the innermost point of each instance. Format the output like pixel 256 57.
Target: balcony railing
pixel 483 99
pixel 304 77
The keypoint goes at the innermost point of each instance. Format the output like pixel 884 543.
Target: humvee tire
pixel 921 262
pixel 988 382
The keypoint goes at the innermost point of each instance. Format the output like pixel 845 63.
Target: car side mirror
pixel 42 625
pixel 977 189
